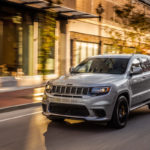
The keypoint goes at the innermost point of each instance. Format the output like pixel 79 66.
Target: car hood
pixel 88 79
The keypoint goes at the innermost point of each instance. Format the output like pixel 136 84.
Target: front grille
pixel 71 90
pixel 68 109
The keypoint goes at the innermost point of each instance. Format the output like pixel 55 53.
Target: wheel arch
pixel 126 94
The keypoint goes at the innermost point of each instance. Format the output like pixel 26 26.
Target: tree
pixel 135 27
pixel 47 37
pixel 47 40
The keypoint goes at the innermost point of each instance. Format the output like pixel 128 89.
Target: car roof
pixel 118 56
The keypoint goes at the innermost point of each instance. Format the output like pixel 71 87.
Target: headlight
pixel 100 90
pixel 48 87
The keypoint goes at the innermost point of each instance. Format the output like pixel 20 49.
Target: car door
pixel 145 64
pixel 136 83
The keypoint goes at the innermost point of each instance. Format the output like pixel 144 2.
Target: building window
pixel 46 52
pixel 49 67
pixel 84 50
pixel 10 47
pixel 111 49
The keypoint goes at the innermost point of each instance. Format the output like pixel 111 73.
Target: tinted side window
pixel 148 64
pixel 136 64
pixel 145 64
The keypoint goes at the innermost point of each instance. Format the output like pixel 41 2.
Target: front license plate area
pixel 64 100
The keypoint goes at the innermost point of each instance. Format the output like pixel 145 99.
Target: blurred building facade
pixel 78 37
pixel 85 35
pixel 20 42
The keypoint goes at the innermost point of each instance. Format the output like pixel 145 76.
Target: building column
pixel 20 45
pixel 102 47
pixel 30 50
pixel 35 48
pixel 73 52
pixel 57 48
pixel 64 48
pixel 1 40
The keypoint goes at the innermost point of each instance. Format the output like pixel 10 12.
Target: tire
pixel 55 119
pixel 120 113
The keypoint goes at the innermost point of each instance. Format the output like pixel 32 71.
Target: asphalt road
pixel 28 130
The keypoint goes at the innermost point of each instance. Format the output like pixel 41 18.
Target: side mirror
pixel 136 71
pixel 71 69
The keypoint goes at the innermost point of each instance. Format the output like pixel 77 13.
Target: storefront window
pixel 47 38
pixel 11 46
pixel 84 47
pixel 84 50
pixel 129 50
pixel 77 52
pixel 49 63
pixel 110 49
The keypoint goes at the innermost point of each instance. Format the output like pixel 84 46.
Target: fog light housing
pixel 100 113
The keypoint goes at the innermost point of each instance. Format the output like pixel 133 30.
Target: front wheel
pixel 121 112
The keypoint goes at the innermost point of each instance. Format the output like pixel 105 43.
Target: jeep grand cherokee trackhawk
pixel 101 88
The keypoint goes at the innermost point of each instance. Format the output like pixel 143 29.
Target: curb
pixel 18 107
pixel 12 89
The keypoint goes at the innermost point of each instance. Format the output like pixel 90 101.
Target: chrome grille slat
pixel 65 89
pixel 82 91
pixel 76 91
pixel 70 89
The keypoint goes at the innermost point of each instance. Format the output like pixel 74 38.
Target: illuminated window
pixel 84 50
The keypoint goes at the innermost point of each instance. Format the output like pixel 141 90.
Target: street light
pixel 99 11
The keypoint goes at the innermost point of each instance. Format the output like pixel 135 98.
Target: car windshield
pixel 102 65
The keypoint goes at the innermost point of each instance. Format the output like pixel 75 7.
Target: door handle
pixel 135 81
pixel 138 80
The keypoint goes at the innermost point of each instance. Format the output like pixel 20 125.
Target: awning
pixel 63 12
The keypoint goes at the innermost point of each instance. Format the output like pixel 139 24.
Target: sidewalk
pixel 20 98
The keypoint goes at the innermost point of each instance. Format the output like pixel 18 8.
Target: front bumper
pixel 99 108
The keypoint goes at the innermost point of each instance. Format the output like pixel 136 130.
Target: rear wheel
pixel 120 114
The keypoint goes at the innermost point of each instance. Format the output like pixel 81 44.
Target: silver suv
pixel 101 88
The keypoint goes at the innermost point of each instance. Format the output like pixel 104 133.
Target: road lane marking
pixel 12 118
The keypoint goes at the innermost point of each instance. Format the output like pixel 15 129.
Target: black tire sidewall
pixel 115 118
